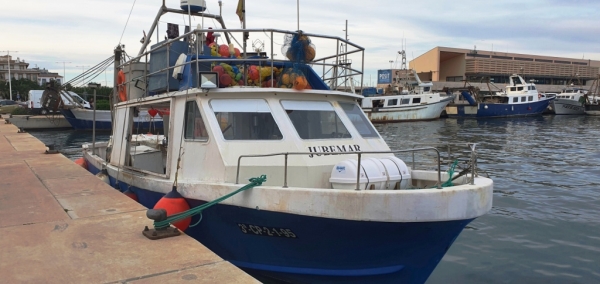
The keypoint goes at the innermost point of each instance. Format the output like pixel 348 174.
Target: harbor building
pixel 445 64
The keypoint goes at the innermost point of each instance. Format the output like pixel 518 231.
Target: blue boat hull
pixel 497 110
pixel 82 124
pixel 275 246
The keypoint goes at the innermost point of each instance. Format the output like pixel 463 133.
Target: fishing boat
pixel 39 122
pixel 416 103
pixel 83 119
pixel 569 101
pixel 518 99
pixel 328 201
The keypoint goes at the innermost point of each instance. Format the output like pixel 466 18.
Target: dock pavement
pixel 61 224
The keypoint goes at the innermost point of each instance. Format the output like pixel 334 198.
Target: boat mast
pixel 114 99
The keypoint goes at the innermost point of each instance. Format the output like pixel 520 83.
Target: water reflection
pixel 546 179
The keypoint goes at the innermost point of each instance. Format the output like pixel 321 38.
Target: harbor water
pixel 544 226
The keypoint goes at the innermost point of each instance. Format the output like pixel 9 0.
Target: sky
pixel 68 36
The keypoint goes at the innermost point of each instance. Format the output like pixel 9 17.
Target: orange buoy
pixel 131 194
pixel 174 203
pixel 121 85
pixel 81 162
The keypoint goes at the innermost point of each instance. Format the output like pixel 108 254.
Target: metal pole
pixel 94 126
pixel 9 77
pixel 358 174
pixel 298 13
pixel 285 171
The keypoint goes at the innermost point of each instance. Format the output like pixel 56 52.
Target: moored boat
pixel 518 99
pixel 570 101
pixel 39 122
pixel 337 205
pixel 418 103
pixel 83 119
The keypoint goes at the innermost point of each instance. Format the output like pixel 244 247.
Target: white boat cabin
pixel 221 125
pixel 517 92
pixel 572 94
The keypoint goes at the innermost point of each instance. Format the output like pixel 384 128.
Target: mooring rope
pixel 256 181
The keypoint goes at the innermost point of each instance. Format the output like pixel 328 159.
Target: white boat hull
pixel 428 111
pixel 39 121
pixel 566 106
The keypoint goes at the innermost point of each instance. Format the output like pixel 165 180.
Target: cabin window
pixel 392 102
pixel 519 88
pixel 530 98
pixel 426 89
pixel 194 125
pixel 515 100
pixel 416 100
pixel 315 120
pixel 405 101
pixel 360 122
pixel 523 99
pixel 533 88
pixel 513 89
pixel 245 119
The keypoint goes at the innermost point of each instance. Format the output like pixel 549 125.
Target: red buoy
pixel 81 162
pixel 174 203
pixel 131 194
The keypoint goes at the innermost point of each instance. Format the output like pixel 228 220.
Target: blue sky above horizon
pixel 85 32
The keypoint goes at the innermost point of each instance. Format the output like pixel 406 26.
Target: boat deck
pixel 60 224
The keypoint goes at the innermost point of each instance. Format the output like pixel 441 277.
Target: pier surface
pixel 61 224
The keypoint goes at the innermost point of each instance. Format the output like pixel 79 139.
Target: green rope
pixel 257 181
pixel 450 174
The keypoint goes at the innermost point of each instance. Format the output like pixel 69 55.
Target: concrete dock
pixel 61 224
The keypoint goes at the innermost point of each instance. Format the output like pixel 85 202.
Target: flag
pixel 240 10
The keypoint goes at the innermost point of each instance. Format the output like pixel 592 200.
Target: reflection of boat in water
pixel 336 206
pixel 519 99
pixel 82 119
pixel 417 103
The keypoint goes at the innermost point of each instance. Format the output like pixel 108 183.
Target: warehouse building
pixel 445 64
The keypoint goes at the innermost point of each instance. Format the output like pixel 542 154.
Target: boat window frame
pixel 333 108
pixel 268 110
pixel 203 120
pixel 523 99
pixel 392 102
pixel 405 101
pixel 416 100
pixel 364 119
pixel 515 99
pixel 530 99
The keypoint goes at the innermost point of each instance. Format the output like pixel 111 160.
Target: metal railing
pixel 286 154
pixel 472 160
pixel 196 48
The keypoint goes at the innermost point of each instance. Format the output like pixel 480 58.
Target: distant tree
pixel 19 86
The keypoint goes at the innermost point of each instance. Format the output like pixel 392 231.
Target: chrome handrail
pixel 286 154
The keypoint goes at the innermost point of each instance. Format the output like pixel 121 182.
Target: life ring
pixel 121 86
